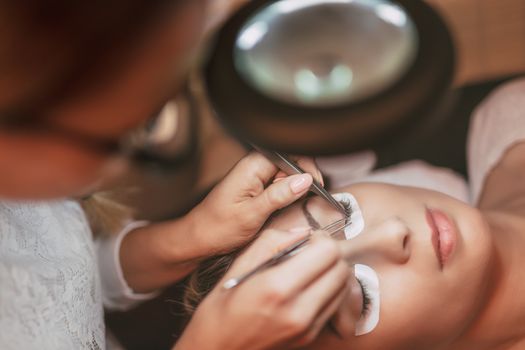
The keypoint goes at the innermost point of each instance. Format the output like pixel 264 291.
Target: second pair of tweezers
pixel 284 254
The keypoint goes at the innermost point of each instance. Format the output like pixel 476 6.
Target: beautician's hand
pixel 307 164
pixel 237 207
pixel 160 254
pixel 285 306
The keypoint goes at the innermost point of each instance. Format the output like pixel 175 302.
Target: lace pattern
pixel 50 295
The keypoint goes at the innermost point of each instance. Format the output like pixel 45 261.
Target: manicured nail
pixel 300 183
pixel 321 179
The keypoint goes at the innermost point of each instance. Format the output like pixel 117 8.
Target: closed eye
pixel 366 298
pixel 371 303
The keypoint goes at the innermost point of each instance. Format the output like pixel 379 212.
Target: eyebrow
pixel 314 224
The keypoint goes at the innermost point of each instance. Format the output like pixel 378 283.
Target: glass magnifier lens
pixel 325 53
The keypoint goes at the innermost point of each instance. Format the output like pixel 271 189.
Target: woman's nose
pixel 389 240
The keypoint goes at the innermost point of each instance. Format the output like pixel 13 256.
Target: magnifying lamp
pixel 327 76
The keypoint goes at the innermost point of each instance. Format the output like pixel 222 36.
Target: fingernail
pixel 300 183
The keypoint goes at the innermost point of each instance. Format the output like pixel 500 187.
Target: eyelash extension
pixel 347 206
pixel 366 298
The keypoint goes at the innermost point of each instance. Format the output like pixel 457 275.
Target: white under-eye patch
pixel 368 277
pixel 356 217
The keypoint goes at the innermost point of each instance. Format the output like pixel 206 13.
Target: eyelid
pixel 369 320
pixel 356 217
pixel 365 295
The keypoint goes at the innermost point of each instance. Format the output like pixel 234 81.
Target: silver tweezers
pixel 289 167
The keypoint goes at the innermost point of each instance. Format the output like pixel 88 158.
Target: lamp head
pixel 327 76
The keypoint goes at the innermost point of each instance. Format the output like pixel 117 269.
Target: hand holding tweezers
pixel 289 251
pixel 289 167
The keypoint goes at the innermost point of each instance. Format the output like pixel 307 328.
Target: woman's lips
pixel 444 234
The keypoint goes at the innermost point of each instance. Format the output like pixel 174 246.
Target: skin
pixel 396 243
pixel 155 256
pixel 474 302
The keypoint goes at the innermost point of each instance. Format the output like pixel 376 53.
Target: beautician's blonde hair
pixel 210 271
pixel 106 214
pixel 202 280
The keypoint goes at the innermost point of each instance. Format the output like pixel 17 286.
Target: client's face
pixel 427 253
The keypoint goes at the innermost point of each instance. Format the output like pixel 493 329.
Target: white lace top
pixel 51 294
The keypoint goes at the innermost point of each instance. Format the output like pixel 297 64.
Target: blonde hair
pixel 202 280
pixel 105 214
pixel 210 271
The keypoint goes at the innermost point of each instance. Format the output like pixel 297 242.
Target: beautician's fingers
pixel 249 179
pixel 282 193
pixel 293 277
pixel 308 165
pixel 327 312
pixel 268 243
pixel 316 259
pixel 235 210
pixel 254 167
pixel 343 320
pixel 265 306
pixel 316 303
pixel 250 174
